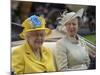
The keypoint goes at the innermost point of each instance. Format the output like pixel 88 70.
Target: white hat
pixel 69 16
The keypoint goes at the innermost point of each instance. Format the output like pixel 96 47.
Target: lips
pixel 72 30
pixel 38 42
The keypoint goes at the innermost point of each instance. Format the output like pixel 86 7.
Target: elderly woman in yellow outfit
pixel 72 52
pixel 32 57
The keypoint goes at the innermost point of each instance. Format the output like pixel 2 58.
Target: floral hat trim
pixel 35 21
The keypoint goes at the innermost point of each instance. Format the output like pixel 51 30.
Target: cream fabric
pixel 71 54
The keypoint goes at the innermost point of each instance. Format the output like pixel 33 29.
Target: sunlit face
pixel 36 38
pixel 72 27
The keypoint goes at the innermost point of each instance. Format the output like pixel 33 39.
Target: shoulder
pixel 82 41
pixel 61 46
pixel 47 51
pixel 62 42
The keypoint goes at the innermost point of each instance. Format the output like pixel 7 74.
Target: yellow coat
pixel 24 60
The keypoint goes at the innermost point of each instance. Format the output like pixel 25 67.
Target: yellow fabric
pixel 28 26
pixel 24 60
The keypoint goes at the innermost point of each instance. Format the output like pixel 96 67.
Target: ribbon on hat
pixel 35 21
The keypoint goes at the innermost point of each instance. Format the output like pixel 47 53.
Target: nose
pixel 39 36
pixel 71 25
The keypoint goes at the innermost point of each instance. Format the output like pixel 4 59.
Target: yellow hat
pixel 34 23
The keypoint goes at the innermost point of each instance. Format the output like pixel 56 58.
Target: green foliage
pixel 91 38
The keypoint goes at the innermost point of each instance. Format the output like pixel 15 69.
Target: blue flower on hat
pixel 35 21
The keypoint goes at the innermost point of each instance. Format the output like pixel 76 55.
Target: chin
pixel 72 34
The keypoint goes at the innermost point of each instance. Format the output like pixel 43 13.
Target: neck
pixel 72 36
pixel 36 51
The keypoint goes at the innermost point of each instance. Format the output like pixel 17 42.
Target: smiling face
pixel 35 38
pixel 72 27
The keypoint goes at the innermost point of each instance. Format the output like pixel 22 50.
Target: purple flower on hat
pixel 35 21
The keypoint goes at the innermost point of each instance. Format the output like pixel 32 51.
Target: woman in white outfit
pixel 72 52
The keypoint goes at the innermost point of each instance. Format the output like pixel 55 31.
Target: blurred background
pixel 20 10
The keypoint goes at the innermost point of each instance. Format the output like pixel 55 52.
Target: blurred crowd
pixel 20 10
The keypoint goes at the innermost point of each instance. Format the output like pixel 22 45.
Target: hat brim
pixel 47 30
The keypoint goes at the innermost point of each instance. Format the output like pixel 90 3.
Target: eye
pixel 74 24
